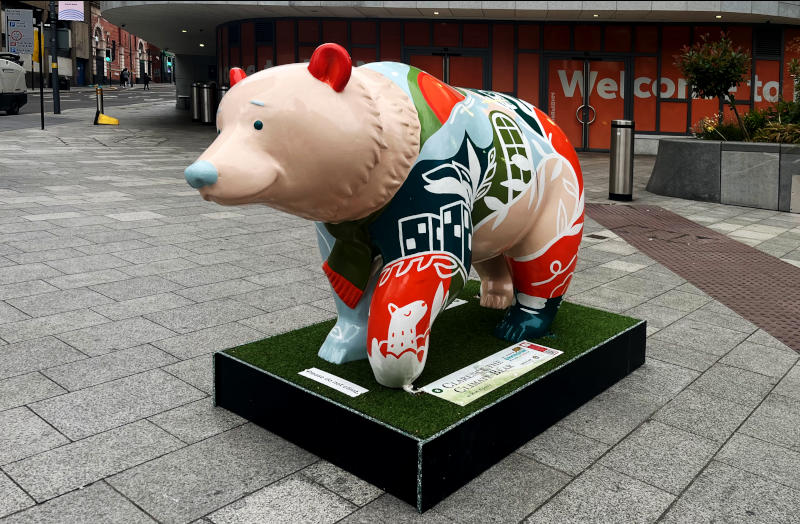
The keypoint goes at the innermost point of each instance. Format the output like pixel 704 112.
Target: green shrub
pixel 712 68
pixel 779 132
pixel 784 112
pixel 755 120
pixel 709 129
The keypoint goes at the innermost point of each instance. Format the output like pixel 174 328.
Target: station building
pixel 584 63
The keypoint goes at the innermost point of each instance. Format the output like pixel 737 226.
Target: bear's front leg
pixel 347 340
pixel 410 293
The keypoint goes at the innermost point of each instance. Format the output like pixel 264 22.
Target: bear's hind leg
pixel 543 261
pixel 497 289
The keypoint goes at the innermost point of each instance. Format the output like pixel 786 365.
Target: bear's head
pixel 305 139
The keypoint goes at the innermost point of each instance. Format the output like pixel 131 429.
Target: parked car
pixel 13 92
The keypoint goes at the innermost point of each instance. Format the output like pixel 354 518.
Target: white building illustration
pixel 449 231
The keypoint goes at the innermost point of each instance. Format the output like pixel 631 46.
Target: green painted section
pixel 576 329
pixel 505 173
pixel 428 122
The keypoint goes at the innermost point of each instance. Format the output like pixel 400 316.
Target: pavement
pixel 82 97
pixel 117 282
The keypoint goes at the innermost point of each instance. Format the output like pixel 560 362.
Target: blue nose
pixel 201 173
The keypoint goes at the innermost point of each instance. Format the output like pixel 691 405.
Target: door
pixel 457 67
pixel 80 77
pixel 584 95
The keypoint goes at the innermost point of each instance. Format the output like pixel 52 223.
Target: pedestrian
pixel 146 80
pixel 123 77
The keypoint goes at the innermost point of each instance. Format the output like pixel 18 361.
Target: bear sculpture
pixel 410 182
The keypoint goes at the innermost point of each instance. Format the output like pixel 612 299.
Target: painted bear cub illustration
pixel 403 331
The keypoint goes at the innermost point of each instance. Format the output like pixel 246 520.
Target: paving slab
pixel 88 279
pixel 506 492
pixel 660 455
pixel 201 478
pixel 564 450
pixel 23 433
pixel 194 317
pixel 24 389
pixel 118 364
pixel 111 336
pixel 769 460
pixel 136 307
pixel 603 495
pixel 12 498
pixel 760 359
pixel 74 465
pixel 209 340
pixel 701 336
pixel 722 493
pixel 201 275
pixel 705 415
pixel 111 404
pixel 24 289
pixel 776 420
pixel 293 499
pixel 36 354
pixel 741 386
pixel 44 304
pixel 196 421
pixel 218 290
pixel 344 484
pixel 136 287
pixel 387 509
pixel 679 355
pixel 197 372
pixel 287 319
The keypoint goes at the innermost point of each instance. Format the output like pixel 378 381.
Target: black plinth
pixel 420 471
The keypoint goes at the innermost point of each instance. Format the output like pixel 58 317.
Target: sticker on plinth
pixel 332 381
pixel 457 302
pixel 474 381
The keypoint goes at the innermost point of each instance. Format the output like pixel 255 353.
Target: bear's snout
pixel 201 173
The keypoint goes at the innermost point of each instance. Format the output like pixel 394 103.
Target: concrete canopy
pixel 162 22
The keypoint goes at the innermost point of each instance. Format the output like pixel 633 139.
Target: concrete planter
pixel 765 176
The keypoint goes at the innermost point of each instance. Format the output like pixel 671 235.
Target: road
pixel 81 98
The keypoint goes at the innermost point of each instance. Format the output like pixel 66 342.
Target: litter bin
pixel 222 91
pixel 620 181
pixel 195 102
pixel 63 83
pixel 208 103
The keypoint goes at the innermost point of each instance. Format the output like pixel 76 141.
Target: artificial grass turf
pixel 460 337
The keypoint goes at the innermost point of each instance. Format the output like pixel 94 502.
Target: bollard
pixel 195 92
pixel 99 116
pixel 620 181
pixel 208 104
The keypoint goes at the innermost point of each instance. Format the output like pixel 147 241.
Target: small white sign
pixel 488 374
pixel 332 381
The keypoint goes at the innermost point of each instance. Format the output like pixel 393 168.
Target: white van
pixel 13 93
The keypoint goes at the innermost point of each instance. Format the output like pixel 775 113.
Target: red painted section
pixel 440 97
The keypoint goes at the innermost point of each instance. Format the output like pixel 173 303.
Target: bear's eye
pixel 258 124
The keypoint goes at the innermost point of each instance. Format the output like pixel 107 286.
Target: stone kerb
pixel 760 175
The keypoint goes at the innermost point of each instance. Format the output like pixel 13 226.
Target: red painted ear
pixel 331 64
pixel 237 74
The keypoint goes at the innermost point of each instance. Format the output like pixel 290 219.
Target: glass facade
pixel 579 73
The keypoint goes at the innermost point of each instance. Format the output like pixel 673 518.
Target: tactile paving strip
pixel 761 288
